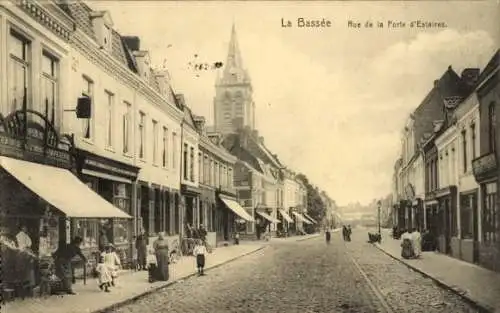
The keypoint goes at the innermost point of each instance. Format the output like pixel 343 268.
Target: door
pixel 475 227
pixel 449 223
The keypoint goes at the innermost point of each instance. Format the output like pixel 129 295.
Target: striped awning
pixel 268 217
pixel 286 216
pixel 301 218
pixel 310 218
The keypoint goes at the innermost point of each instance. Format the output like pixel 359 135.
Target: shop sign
pixel 31 137
pixel 100 164
pixel 485 166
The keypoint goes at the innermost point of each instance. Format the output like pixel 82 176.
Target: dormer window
pixel 103 29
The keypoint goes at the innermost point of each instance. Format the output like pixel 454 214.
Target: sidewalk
pixel 130 286
pixel 476 284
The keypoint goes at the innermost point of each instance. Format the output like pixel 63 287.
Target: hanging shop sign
pixel 89 161
pixel 30 136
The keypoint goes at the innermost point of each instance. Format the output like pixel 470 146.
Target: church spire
pixel 234 71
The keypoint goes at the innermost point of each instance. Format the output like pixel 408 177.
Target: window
pixel 185 161
pixel 49 87
pixel 165 144
pixel 174 150
pixel 490 212
pixel 206 170
pixel 473 140
pixel 212 172
pixel 155 142
pixel 87 90
pixel 468 204
pixel 230 183
pixel 200 167
pixel 464 150
pixel 191 164
pixel 216 174
pixel 18 72
pixel 492 125
pixel 109 118
pixel 142 135
pixel 127 118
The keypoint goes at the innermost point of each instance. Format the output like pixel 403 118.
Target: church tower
pixel 233 102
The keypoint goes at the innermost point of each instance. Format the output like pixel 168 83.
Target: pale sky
pixel 330 102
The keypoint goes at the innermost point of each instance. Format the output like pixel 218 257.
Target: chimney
pixel 436 83
pixel 255 134
pixel 261 140
pixel 470 76
pixel 163 79
pixel 132 42
pixel 179 97
pixel 199 122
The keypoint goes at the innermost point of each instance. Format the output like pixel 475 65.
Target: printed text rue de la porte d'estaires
pixel 326 23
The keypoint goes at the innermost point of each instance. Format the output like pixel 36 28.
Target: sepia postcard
pixel 249 156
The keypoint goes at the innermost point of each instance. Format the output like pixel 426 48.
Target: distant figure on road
pixel 328 235
pixel 344 232
pixel 349 232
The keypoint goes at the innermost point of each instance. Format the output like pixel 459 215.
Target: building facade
pixel 467 116
pixel 485 167
pixel 216 174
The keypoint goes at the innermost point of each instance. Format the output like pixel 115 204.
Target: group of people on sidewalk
pixel 411 244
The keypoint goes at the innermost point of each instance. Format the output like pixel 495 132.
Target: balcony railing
pixel 485 166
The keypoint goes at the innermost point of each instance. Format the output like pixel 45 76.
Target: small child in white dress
pixel 112 260
pixel 104 275
pixel 152 265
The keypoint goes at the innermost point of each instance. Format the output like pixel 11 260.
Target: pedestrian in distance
pixel 104 275
pixel 200 252
pixel 328 235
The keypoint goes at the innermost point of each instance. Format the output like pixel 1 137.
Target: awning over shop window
pixel 310 218
pixel 237 209
pixel 61 189
pixel 286 216
pixel 301 218
pixel 268 217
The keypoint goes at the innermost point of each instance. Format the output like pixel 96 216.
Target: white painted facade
pixel 468 128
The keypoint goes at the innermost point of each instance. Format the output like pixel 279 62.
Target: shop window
pixel 490 213
pixel 467 207
pixel 122 199
pixel 158 216
pixel 88 230
pixel 168 213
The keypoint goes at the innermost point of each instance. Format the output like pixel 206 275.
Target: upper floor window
pixel 142 134
pixel 155 142
pixel 174 150
pixel 127 118
pixel 492 126
pixel 19 71
pixel 50 67
pixel 206 170
pixel 109 118
pixel 165 147
pixel 464 150
pixel 473 140
pixel 87 90
pixel 191 164
pixel 185 161
pixel 200 167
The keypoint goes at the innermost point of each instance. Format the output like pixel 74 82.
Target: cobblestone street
pixel 306 276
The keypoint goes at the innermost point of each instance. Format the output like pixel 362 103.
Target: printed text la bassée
pixel 306 23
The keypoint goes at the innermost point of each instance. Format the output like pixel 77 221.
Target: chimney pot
pixel 436 83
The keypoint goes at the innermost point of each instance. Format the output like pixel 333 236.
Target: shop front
pixel 207 214
pixel 114 181
pixel 232 216
pixel 417 206
pixel 267 220
pixel 469 226
pixel 485 170
pixel 39 196
pixel 285 221
pixel 447 228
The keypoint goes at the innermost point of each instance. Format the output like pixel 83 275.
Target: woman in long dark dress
pixel 63 257
pixel 328 235
pixel 161 250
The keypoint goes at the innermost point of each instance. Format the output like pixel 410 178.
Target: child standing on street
pixel 112 260
pixel 152 265
pixel 104 275
pixel 199 252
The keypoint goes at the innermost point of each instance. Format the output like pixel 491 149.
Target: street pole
pixel 379 233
